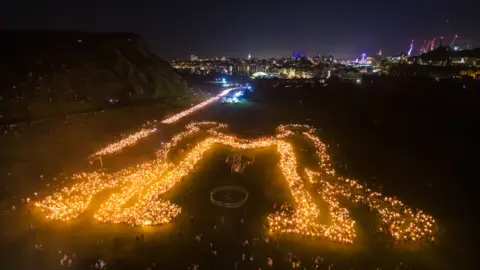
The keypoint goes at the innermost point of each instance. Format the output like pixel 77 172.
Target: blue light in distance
pixel 224 80
pixel 237 94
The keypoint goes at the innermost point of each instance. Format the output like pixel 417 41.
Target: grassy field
pixel 172 246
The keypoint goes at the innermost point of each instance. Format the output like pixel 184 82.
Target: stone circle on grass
pixel 225 190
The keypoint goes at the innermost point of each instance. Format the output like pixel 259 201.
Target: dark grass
pixel 366 157
pixel 169 250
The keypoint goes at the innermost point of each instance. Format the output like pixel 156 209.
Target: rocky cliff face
pixel 45 73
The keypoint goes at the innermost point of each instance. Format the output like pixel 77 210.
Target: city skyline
pixel 263 29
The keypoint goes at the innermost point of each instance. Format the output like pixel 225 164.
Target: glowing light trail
pixel 135 137
pixel 180 115
pixel 128 141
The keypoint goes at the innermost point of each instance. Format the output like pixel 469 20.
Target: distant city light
pixel 411 48
pixel 237 94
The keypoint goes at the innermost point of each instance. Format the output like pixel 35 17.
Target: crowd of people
pixel 250 251
pixel 212 247
pixel 253 252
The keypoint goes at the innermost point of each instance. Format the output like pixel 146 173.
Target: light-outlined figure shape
pixel 150 180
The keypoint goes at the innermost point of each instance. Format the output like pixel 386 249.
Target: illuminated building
pixel 371 60
pixel 259 75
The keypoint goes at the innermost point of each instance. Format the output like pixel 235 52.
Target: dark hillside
pixel 47 73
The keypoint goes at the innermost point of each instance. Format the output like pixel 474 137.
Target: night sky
pixel 264 28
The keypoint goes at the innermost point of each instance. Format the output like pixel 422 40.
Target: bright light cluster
pixel 324 160
pixel 68 203
pixel 398 219
pixel 304 220
pixel 139 200
pixel 191 129
pixel 115 209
